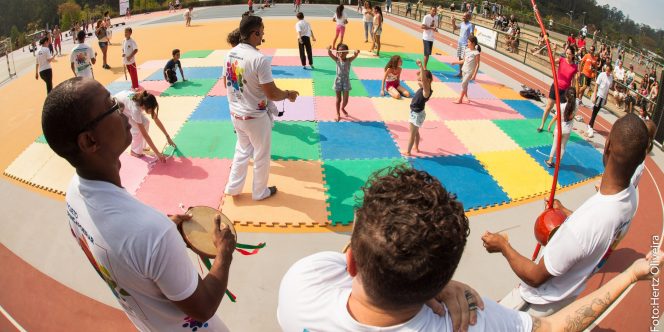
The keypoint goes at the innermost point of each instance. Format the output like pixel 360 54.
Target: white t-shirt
pixel 604 83
pixel 315 290
pixel 128 46
pixel 619 73
pixel 43 55
pixel 341 21
pixel 303 28
pixel 432 22
pixel 470 61
pixel 567 125
pixel 81 56
pixel 582 244
pixel 636 178
pixel 134 113
pixel 245 70
pixel 137 251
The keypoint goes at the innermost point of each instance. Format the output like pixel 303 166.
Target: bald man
pixel 583 243
pixel 652 129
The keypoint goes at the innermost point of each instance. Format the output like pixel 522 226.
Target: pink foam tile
pixel 134 170
pixel 301 110
pixel 319 52
pixel 445 58
pixel 286 61
pixel 189 181
pixel 218 89
pixel 435 139
pixel 358 108
pixel 364 73
pixel 268 51
pixel 412 75
pixel 155 87
pixel 152 64
pixel 478 109
pixel 475 91
pixel 485 79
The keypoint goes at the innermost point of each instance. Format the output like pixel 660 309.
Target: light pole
pixel 571 15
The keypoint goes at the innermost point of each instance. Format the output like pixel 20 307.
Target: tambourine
pixel 198 232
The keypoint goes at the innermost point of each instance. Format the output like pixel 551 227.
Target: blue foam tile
pixel 464 176
pixel 579 163
pixel 356 140
pixel 446 77
pixel 212 108
pixel 373 88
pixel 290 72
pixel 116 87
pixel 191 73
pixel 525 108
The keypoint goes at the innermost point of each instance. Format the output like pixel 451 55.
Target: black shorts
pixel 428 47
pixel 585 80
pixel 552 94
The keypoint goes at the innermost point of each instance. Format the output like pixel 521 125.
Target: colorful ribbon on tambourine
pixel 239 247
pixel 207 263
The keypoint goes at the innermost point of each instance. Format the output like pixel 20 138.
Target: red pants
pixel 131 68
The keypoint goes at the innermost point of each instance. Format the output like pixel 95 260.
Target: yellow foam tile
pixel 300 199
pixel 481 136
pixel 202 62
pixel 501 92
pixel 304 86
pixel 516 172
pixel 287 52
pixel 54 176
pixel 30 161
pixel 218 55
pixel 173 112
pixel 440 89
pixel 391 109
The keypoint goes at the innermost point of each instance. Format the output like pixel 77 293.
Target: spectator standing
pixel 43 65
pixel 602 86
pixel 589 66
pixel 367 18
pixel 466 29
pixel 304 37
pixel 102 38
pixel 429 26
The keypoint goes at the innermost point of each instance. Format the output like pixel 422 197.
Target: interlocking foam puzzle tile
pixel 115 87
pixel 440 90
pixel 201 62
pixel 319 52
pixel 365 73
pixel 435 139
pixel 192 87
pixel 295 140
pixel 478 109
pixel 218 89
pixel 288 61
pixel 212 108
pixel 502 92
pixel 205 139
pixel 524 132
pixel 299 201
pixel 301 110
pixel 373 88
pixel 173 112
pixel 191 73
pixel 325 88
pixel 391 109
pixel 343 180
pixel 191 182
pixel 372 62
pixel 475 91
pixel 358 108
pixel 286 52
pixel 134 170
pixel 484 78
pixel 527 108
pixel 29 162
pixel 155 87
pixel 445 58
pixel 268 51
pixel 41 139
pixel 457 172
pixel 152 64
pixel 218 55
pixel 447 77
pixel 302 85
pixel 196 54
pixel 585 154
pixel 290 72
pixel 326 63
pixel 571 171
pixel 481 136
pixel 435 65
pixel 348 140
pixel 517 173
pixel 412 75
pixel 54 176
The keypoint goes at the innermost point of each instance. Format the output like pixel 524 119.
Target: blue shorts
pixel 428 47
pixel 103 44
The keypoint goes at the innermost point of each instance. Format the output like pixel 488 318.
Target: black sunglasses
pixel 117 107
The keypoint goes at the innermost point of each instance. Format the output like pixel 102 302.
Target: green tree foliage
pixel 70 13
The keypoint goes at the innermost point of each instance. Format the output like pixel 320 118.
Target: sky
pixel 640 11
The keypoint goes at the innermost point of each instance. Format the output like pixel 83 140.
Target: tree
pixel 14 35
pixel 70 12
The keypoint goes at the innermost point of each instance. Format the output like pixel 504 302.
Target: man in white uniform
pixel 82 57
pixel 429 26
pixel 134 248
pixel 251 91
pixel 585 240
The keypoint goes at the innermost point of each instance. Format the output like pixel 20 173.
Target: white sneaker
pixel 590 133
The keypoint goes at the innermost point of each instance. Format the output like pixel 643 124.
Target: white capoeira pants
pixel 137 140
pixel 254 139
pixel 563 144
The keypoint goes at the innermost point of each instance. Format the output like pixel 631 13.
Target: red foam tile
pixel 435 139
pixel 358 108
pixel 218 89
pixel 478 109
pixel 287 61
pixel 134 170
pixel 365 73
pixel 155 87
pixel 188 181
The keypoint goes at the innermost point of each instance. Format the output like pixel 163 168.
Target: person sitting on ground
pixel 585 240
pixel 392 79
pixel 407 241
pixel 134 103
pixel 169 70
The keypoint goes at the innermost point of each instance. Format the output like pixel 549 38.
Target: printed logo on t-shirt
pixel 193 324
pixel 235 77
pixel 81 59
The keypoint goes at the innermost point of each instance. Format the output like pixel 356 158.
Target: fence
pixel 7 67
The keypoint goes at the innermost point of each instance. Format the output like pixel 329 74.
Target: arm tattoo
pixel 585 315
pixel 537 325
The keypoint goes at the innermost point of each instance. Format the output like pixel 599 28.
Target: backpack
pixel 530 93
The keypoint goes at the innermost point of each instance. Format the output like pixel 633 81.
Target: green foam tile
pixel 41 139
pixel 344 179
pixel 205 139
pixel 524 132
pixel 295 140
pixel 196 54
pixel 325 88
pixel 194 87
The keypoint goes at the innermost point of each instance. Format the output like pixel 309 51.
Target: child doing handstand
pixel 417 105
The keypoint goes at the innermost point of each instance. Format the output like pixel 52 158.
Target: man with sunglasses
pixel 134 248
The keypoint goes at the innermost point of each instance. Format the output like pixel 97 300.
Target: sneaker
pixel 312 66
pixel 548 164
pixel 590 133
